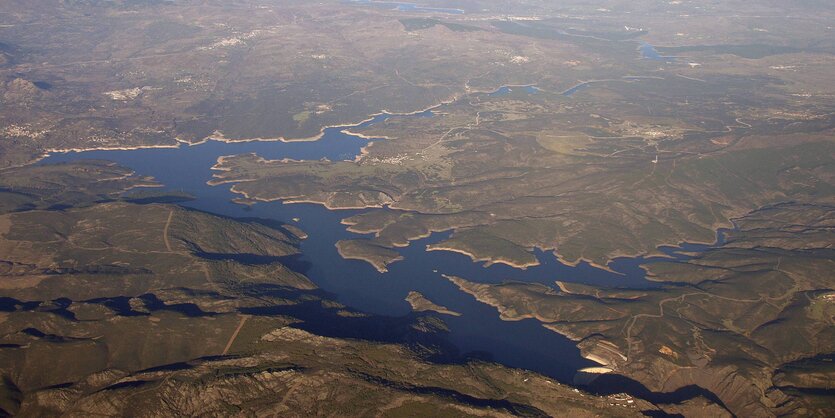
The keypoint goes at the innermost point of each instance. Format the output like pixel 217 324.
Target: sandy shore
pixel 487 261
pixel 596 370
pixel 562 287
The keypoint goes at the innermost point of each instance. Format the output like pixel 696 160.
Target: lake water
pixel 649 52
pixel 524 344
pixel 506 90
pixel 576 88
pixel 407 7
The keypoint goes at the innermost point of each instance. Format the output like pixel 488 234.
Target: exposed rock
pixel 21 90
pixel 697 407
pixel 420 303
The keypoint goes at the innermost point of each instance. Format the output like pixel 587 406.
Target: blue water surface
pixel 524 344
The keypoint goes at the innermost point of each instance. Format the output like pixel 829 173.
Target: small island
pixel 366 250
pixel 421 304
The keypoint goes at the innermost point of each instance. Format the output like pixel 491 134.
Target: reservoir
pixel 357 284
pixel 575 89
pixel 506 90
pixel 649 52
pixel 407 7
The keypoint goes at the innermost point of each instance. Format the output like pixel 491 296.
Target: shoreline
pixel 218 136
pixel 381 266
pixel 487 261
pixel 420 303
